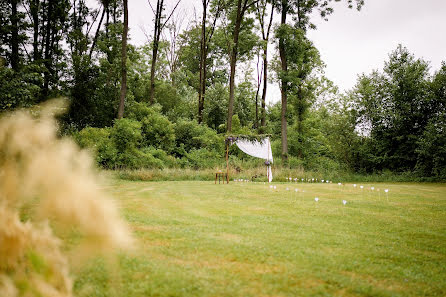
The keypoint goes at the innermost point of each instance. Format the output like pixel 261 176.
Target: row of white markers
pixel 340 184
pixel 312 180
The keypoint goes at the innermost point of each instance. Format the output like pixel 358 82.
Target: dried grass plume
pixel 46 181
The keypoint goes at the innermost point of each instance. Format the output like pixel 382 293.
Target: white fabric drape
pixel 258 149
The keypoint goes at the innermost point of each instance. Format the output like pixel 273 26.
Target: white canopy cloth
pixel 259 149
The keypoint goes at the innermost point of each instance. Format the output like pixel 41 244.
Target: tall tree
pixel 158 28
pixel 241 9
pixel 265 30
pixel 14 36
pixel 206 36
pixel 12 32
pixel 124 61
pixel 396 105
pixel 301 11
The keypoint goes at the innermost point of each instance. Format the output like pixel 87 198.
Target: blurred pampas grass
pixel 48 184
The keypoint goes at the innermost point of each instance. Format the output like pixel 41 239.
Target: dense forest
pixel 172 101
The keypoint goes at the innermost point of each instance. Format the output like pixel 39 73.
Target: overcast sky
pixel 351 42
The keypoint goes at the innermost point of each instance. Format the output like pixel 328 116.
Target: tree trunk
pixel 156 38
pixel 202 88
pixel 233 63
pixel 124 61
pixel 202 82
pixel 14 36
pixel 284 84
pixel 265 84
pixel 256 123
pixel 47 61
pixel 97 33
pixel 300 119
pixel 152 73
pixel 265 37
pixel 34 8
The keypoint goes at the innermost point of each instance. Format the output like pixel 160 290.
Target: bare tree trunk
pixel 265 36
pixel 265 84
pixel 204 49
pixel 97 33
pixel 156 38
pixel 14 36
pixel 233 63
pixel 124 61
pixel 47 62
pixel 202 82
pixel 300 119
pixel 284 84
pixel 259 82
pixel 34 9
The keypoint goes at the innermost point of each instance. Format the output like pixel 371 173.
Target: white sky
pixel 351 42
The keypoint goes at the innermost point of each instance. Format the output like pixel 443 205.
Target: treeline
pixel 170 102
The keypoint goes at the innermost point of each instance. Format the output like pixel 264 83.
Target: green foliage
pixel 395 107
pixel 203 158
pixel 126 134
pixel 99 141
pixel 156 129
pixel 19 88
pixel 432 148
pixel 190 135
pixel 216 105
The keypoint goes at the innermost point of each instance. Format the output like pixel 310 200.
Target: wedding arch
pixel 257 146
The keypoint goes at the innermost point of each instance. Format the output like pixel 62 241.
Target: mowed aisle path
pixel 246 239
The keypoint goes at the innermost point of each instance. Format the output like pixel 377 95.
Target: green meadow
pixel 246 239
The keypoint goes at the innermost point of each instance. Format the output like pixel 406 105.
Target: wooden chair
pixel 221 176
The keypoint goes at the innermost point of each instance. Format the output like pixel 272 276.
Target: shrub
pixel 99 142
pixel 21 88
pixel 126 134
pixel 134 158
pixel 190 135
pixel 156 129
pixel 203 158
pixel 432 148
pixel 167 160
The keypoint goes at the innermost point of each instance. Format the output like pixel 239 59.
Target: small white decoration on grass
pixel 354 185
pixel 316 199
pixel 344 202
pixel 274 187
pixel 270 187
pixel 339 184
pixel 327 181
pixel 322 180
pixel 372 188
pixel 362 187
pixel 287 189
pixel 296 190
pixel 386 190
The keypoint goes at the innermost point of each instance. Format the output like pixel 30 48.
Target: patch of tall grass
pixel 258 174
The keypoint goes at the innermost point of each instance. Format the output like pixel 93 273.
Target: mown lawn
pixel 245 239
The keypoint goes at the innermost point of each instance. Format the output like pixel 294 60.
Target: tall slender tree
pixel 159 26
pixel 301 11
pixel 206 36
pixel 124 61
pixel 242 8
pixel 265 28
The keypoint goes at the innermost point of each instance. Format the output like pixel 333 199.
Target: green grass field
pixel 245 239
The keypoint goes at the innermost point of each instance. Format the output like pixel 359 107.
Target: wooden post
pixel 267 166
pixel 227 162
